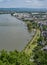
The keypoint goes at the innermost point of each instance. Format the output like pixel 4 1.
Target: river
pixel 13 33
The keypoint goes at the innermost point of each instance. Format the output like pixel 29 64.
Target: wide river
pixel 13 33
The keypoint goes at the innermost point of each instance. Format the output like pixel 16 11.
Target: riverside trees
pixel 14 58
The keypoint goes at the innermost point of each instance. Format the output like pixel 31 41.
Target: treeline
pixel 14 58
pixel 20 58
pixel 40 54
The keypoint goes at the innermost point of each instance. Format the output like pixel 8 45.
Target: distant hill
pixel 24 9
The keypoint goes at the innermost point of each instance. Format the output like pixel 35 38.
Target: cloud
pixel 5 0
pixel 36 3
pixel 28 1
pixel 41 0
pixel 1 0
pixel 24 3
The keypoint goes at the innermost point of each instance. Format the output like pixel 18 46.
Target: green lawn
pixel 32 44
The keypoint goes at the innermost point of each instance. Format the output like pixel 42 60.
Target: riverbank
pixel 32 44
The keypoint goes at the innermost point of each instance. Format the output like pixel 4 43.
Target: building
pixel 44 33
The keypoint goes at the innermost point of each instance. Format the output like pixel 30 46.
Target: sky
pixel 23 3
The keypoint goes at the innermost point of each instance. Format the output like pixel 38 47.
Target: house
pixel 44 34
pixel 44 48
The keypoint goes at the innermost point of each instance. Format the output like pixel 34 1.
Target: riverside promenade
pixel 32 43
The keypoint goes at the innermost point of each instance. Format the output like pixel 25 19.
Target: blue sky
pixel 23 3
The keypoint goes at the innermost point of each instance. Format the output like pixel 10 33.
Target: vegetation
pixel 14 58
pixel 32 44
pixel 34 48
pixel 40 56
pixel 44 27
pixel 29 26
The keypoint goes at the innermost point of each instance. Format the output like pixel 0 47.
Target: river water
pixel 13 33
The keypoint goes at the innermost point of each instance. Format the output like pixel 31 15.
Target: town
pixel 36 18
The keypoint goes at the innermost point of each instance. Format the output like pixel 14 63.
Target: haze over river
pixel 13 33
